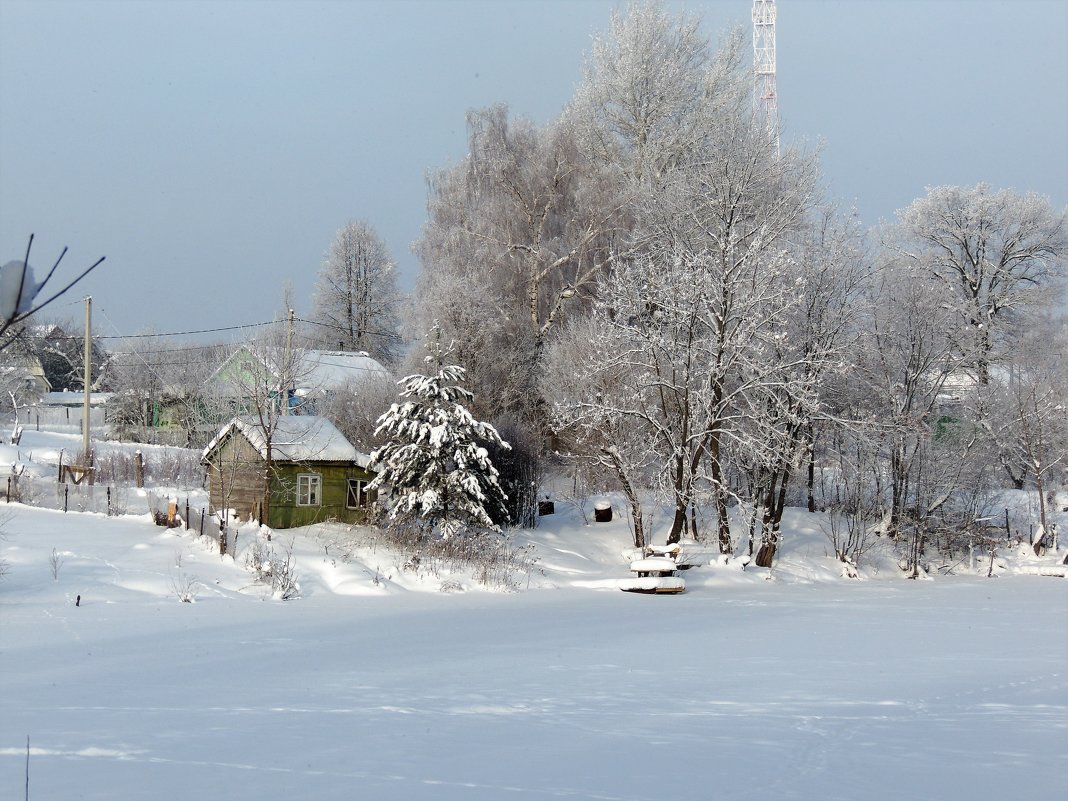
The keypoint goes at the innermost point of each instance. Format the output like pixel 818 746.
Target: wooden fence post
pixel 139 468
pixel 187 514
pixel 65 490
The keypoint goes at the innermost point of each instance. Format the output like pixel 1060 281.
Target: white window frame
pixel 362 500
pixel 309 489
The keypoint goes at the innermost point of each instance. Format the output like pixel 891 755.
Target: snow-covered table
pixel 654 574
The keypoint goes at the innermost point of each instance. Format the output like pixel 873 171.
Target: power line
pixel 199 331
pixel 390 334
pixel 179 333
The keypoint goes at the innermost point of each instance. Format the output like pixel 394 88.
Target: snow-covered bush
pixel 273 568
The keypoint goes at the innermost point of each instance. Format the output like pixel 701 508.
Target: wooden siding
pixel 284 512
pixel 236 476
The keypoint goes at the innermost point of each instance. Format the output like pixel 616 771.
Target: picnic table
pixel 653 574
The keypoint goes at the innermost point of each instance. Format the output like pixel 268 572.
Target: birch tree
pixel 829 269
pixel 651 85
pixel 517 238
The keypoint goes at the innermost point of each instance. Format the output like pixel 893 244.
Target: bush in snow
pixel 435 463
pixel 272 568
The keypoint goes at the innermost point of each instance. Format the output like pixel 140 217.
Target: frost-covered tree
pixel 595 403
pixel 356 299
pixel 910 401
pixel 993 252
pixel 651 87
pixel 435 465
pixel 516 239
pixel 693 320
pixel 1029 417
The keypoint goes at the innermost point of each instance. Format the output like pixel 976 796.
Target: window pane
pixel 357 495
pixel 308 490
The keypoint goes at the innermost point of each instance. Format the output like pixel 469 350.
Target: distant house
pixel 62 356
pixel 316 473
pixel 321 373
pixel 241 381
pixel 236 382
pixel 24 376
pixel 167 417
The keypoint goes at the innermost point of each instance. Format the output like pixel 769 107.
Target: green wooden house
pixel 314 473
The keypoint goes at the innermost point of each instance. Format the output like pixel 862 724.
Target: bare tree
pixel 517 238
pixel 992 251
pixel 1030 403
pixel 594 401
pixel 916 401
pixel 355 408
pixel 356 299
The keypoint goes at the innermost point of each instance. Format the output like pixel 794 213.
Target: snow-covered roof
pixel 299 438
pixel 75 398
pixel 313 371
pixel 332 369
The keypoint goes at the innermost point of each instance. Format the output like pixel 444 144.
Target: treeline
pixel 650 288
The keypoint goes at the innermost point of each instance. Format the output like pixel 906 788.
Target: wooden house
pixel 23 376
pixel 315 474
pixel 248 380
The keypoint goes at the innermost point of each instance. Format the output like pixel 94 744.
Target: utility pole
pixel 287 369
pixel 88 374
pixel 765 93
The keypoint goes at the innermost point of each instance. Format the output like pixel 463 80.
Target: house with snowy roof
pixel 321 373
pixel 293 471
pixel 313 375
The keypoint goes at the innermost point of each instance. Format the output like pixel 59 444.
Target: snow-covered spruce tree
pixel 434 465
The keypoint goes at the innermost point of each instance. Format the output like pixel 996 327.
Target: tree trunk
pixel 723 523
pixel 632 497
pixel 766 555
pixel 810 446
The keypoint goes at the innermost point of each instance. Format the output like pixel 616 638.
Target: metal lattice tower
pixel 765 96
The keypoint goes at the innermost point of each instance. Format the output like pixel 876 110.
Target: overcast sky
pixel 210 150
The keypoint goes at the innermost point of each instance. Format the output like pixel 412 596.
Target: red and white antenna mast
pixel 765 96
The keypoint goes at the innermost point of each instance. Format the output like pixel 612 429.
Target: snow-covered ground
pixel 792 683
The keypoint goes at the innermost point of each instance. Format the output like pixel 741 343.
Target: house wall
pixel 236 477
pixel 284 512
pixel 236 481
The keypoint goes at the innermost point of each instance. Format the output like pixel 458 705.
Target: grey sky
pixel 211 149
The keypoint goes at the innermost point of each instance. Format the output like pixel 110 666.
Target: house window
pixel 357 498
pixel 309 489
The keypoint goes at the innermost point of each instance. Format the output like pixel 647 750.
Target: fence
pixel 193 516
pixel 63 419
pixel 49 494
pixel 106 499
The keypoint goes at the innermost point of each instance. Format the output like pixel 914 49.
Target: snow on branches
pixel 435 464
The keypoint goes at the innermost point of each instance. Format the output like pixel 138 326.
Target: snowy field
pixel 793 683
